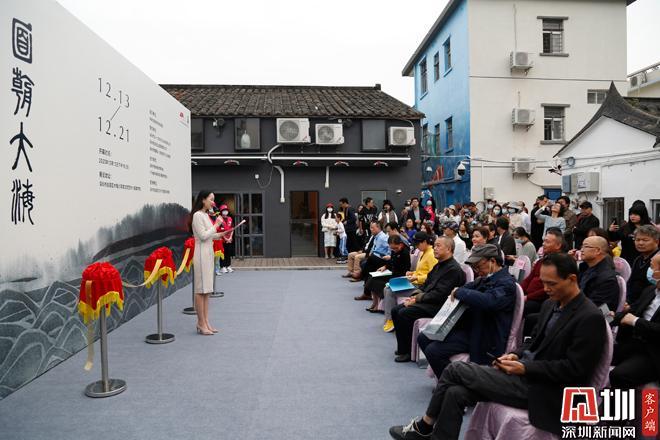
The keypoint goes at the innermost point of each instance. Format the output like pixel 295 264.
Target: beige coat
pixel 203 260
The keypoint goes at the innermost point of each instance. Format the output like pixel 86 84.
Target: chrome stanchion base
pixel 164 338
pixel 189 311
pixel 217 294
pixel 115 386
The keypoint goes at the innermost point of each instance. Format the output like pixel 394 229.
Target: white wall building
pixel 569 51
pixel 615 159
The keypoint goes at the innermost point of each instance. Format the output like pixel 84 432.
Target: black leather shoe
pixel 402 358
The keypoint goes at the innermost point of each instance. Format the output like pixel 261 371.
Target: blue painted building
pixel 440 67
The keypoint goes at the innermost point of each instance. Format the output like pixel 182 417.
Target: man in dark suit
pixel 566 347
pixel 637 351
pixel 597 276
pixel 504 240
pixel 537 228
pixel 417 213
pixel 585 222
pixel 446 275
pixel 486 324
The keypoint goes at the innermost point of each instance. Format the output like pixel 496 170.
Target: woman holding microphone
pixel 204 232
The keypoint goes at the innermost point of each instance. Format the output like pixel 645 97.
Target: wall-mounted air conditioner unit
pixel 566 184
pixel 489 192
pixel 588 182
pixel 523 165
pixel 329 134
pixel 638 80
pixel 402 136
pixel 521 61
pixel 292 130
pixel 523 116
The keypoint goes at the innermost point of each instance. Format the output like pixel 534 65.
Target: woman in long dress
pixel 329 227
pixel 204 231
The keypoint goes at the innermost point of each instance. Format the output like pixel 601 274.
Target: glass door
pixel 304 223
pixel 249 238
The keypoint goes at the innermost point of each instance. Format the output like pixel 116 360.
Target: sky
pixel 292 42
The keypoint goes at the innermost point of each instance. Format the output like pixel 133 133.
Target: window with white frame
pixel 553 123
pixel 596 96
pixel 423 75
pixel 553 35
pixel 447 47
pixel 436 66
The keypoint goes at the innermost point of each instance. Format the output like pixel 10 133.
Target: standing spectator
pixel 486 324
pixel 515 218
pixel 341 235
pixel 637 351
pixel 554 220
pixel 597 277
pixel 569 218
pixel 637 216
pixel 350 225
pixel 527 220
pixel 388 214
pixel 426 301
pixel 329 228
pixel 646 243
pixel 227 224
pixel 505 241
pixel 430 212
pixel 369 214
pixel 526 247
pixel 584 223
pixel 450 229
pixel 405 213
pixel 416 213
pixel 536 225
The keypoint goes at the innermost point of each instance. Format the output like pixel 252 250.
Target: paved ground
pixel 295 263
pixel 297 358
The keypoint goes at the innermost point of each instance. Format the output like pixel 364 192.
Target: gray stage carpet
pixel 296 358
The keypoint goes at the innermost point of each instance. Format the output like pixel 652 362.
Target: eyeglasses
pixel 588 247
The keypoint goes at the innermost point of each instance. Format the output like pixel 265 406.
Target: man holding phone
pixel 564 351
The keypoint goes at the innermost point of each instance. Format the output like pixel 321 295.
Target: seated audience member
pixel 398 264
pixel 484 327
pixel 637 351
pixel 480 235
pixel 526 246
pixel 597 277
pixel 492 234
pixel 504 240
pixel 464 234
pixel 409 229
pixel 355 259
pixel 646 243
pixel 426 301
pixel 535 294
pixel 586 221
pixel 392 229
pixel 450 229
pixel 564 351
pixel 380 253
pixel 593 232
pixel 417 277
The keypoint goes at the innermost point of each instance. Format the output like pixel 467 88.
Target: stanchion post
pixel 191 310
pixel 215 293
pixel 105 387
pixel 160 337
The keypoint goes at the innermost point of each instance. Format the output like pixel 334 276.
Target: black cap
pixel 420 237
pixel 586 205
pixel 480 252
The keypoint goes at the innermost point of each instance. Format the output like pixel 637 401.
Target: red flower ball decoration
pixel 189 245
pixel 166 271
pixel 219 249
pixel 105 290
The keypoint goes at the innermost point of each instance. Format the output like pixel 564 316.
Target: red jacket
pixel 532 285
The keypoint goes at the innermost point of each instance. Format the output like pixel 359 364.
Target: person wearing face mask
pixel 496 212
pixel 430 211
pixel 329 227
pixel 637 351
pixel 484 327
pixel 524 245
pixel 515 218
pixel 227 223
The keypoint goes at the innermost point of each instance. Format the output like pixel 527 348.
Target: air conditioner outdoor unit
pixel 329 134
pixel 292 130
pixel 489 192
pixel 521 60
pixel 523 165
pixel 638 79
pixel 402 136
pixel 523 116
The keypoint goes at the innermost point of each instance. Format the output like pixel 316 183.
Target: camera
pixel 460 169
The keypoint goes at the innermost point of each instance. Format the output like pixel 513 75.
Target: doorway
pixel 304 223
pixel 249 239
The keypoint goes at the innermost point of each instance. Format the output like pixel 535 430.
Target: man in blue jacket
pixel 485 325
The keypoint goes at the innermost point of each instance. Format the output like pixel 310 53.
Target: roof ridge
pixel 270 86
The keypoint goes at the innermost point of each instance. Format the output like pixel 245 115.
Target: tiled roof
pixel 640 113
pixel 290 101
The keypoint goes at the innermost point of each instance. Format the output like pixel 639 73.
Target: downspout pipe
pixel 278 168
